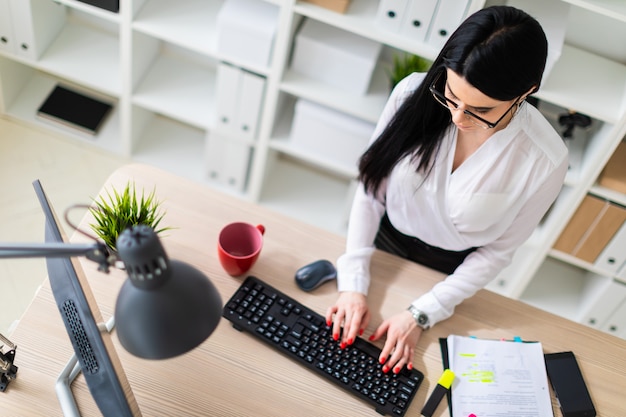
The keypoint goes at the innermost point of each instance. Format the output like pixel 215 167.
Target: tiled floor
pixel 69 172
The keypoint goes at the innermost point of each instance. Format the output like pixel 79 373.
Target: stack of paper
pixel 498 378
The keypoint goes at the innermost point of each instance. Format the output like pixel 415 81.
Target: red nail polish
pixel 328 323
pixel 371 338
pixel 350 341
pixel 385 369
pixel 336 336
pixel 396 370
pixel 410 366
pixel 342 345
pixel 383 360
pixel 361 332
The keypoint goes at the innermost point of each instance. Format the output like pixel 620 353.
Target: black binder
pixel 74 109
pixel 110 5
pixel 443 344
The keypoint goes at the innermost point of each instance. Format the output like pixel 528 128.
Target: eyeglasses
pixel 451 105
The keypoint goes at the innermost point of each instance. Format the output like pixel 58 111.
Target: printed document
pixel 498 378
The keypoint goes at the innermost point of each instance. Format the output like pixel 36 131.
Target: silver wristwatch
pixel 421 318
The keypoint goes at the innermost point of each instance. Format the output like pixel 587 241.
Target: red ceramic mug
pixel 239 246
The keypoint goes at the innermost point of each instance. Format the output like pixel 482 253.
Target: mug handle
pixel 261 228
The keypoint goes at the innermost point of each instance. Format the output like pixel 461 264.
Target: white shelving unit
pixel 157 61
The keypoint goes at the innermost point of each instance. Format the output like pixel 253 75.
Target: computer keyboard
pixel 300 333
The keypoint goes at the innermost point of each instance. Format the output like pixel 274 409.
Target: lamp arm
pixel 96 252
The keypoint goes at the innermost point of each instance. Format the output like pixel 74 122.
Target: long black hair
pixel 500 50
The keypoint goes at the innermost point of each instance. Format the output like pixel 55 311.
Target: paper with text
pixel 498 378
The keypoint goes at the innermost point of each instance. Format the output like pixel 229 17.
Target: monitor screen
pixel 94 350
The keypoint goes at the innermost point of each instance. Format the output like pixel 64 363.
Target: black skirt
pixel 391 240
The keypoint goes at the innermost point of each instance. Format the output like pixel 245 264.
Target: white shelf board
pixel 306 194
pixel 87 56
pixel 92 10
pixel 557 288
pixel 367 107
pixel 609 194
pixel 599 85
pixel 180 89
pixel 615 9
pixel 360 18
pixel 188 23
pixel 173 146
pixel 25 106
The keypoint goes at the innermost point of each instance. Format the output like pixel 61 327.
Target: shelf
pixel 188 23
pixel 367 107
pixel 360 18
pixel 587 83
pixel 615 9
pixel 280 142
pixel 33 94
pixel 92 10
pixel 173 146
pixel 557 288
pixel 179 88
pixel 306 194
pixel 87 56
pixel 609 194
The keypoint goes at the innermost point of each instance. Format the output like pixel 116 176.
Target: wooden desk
pixel 233 374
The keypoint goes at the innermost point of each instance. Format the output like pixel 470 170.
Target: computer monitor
pixel 94 349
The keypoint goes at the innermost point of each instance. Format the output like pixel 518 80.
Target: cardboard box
pixel 591 228
pixel 601 234
pixel 339 6
pixel 334 56
pixel 330 134
pixel 614 174
pixel 246 30
pixel 588 211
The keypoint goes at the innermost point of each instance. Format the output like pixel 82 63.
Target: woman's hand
pixel 402 337
pixel 352 312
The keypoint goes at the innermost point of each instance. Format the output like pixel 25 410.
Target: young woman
pixel 460 173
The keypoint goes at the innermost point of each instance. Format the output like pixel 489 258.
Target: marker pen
pixel 442 387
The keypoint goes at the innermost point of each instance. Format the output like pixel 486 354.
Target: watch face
pixel 422 319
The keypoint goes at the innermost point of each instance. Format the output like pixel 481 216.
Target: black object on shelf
pixel 74 109
pixel 110 5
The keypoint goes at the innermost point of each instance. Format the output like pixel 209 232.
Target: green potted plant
pixel 405 64
pixel 116 211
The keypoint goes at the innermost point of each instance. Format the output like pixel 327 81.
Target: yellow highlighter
pixel 442 387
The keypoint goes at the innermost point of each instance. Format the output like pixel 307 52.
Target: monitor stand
pixel 63 386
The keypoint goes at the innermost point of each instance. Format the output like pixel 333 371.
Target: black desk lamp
pixel 165 308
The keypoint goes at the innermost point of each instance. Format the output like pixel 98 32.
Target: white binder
pixel 616 324
pixel 7 38
pixel 236 162
pixel 249 106
pixel 602 297
pixel 227 97
pixel 390 14
pixel 36 23
pixel 613 257
pixel 227 160
pixel 418 18
pixel 447 18
pixel 215 149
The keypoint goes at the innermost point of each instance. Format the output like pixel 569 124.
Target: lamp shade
pixel 166 307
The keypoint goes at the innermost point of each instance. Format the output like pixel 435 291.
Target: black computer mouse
pixel 311 276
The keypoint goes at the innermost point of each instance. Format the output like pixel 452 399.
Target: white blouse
pixel 493 201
